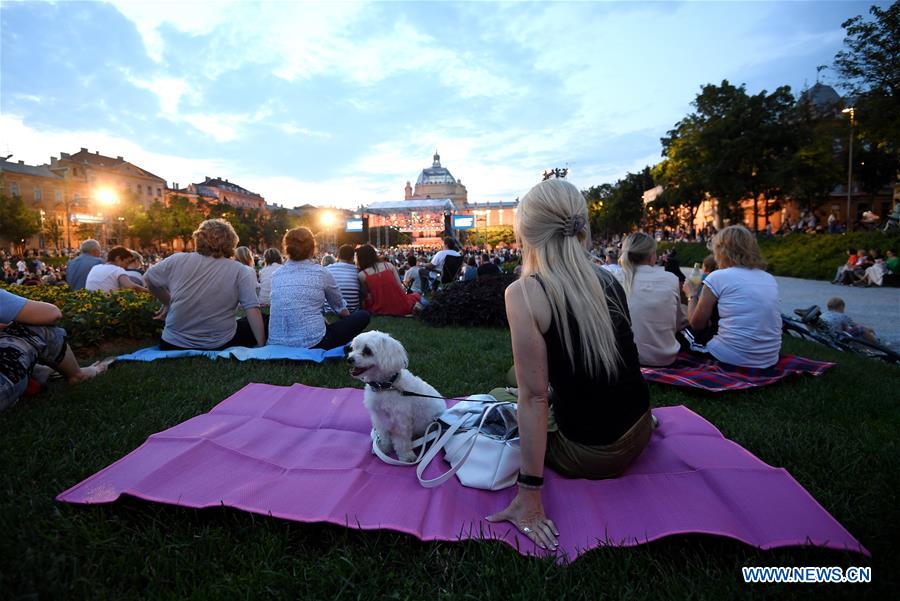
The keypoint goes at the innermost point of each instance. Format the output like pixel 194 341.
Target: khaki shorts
pixel 593 462
pixel 596 462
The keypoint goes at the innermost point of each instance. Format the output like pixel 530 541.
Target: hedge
pixel 91 318
pixel 810 256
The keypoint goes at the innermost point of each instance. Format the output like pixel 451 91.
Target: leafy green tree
pixel 869 67
pixel 17 221
pixel 731 146
pixel 680 175
pixel 814 169
pixel 153 226
pixel 182 219
pixel 53 231
pixel 619 207
pixel 492 235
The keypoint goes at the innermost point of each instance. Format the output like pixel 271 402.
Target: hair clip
pixel 573 225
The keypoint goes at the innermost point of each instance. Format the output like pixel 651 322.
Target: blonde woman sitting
pixel 654 301
pixel 749 332
pixel 570 332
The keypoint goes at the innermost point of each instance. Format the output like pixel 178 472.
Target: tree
pixel 619 207
pixel 53 231
pixel 492 236
pixel 17 221
pixel 183 218
pixel 680 175
pixel 731 146
pixel 814 169
pixel 152 225
pixel 870 72
pixel 869 68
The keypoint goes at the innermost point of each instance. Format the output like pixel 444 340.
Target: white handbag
pixel 477 457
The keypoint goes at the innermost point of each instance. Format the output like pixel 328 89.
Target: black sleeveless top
pixel 589 409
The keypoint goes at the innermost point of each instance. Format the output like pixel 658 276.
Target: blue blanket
pixel 241 353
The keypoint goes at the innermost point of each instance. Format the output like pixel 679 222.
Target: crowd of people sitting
pixel 582 319
pixel 867 268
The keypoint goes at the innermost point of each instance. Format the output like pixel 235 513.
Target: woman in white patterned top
pixel 299 289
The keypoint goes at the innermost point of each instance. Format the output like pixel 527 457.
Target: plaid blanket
pixel 705 373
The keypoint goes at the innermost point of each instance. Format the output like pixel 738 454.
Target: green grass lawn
pixel 836 434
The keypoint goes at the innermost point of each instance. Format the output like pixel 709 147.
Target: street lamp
pixel 852 112
pixel 327 220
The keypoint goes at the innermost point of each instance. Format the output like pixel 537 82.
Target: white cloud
pixel 297 41
pixel 35 146
pixel 191 17
pixel 168 90
pixel 295 130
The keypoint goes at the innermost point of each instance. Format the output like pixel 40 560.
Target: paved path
pixel 878 308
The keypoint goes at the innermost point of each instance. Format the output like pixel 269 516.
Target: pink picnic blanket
pixel 304 454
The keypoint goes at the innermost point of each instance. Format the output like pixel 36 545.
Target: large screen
pixel 463 222
pixel 354 225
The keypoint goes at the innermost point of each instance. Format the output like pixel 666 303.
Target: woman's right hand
pixel 526 512
pixel 161 314
pixel 690 288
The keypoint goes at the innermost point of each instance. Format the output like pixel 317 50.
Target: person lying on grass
pixel 570 330
pixel 28 337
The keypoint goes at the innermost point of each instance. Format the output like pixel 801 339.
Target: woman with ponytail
pixel 583 405
pixel 654 301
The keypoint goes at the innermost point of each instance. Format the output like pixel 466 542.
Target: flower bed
pixel 91 318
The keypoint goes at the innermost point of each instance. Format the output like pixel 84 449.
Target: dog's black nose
pixel 351 360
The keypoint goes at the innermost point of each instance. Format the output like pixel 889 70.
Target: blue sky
pixel 341 103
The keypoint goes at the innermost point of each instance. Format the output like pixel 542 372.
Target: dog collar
pixel 386 385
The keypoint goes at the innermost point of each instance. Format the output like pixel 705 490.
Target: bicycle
pixel 808 326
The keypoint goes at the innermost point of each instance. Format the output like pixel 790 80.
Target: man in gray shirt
pixel 78 268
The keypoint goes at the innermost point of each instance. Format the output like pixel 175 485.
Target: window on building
pixel 58 196
pixel 149 191
pixel 14 188
pixel 76 197
pixel 37 193
pixel 159 191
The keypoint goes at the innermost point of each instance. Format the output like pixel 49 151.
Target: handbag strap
pixel 442 442
pixel 432 432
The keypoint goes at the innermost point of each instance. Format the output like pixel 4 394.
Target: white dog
pixel 380 362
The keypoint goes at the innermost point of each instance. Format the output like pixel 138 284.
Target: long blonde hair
pixel 635 250
pixel 243 255
pixel 552 229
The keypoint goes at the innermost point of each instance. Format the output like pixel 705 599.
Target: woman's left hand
pixel 526 512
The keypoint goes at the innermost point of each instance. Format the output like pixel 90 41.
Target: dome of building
pixel 821 96
pixel 435 174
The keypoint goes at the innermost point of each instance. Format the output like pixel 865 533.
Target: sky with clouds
pixel 341 103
